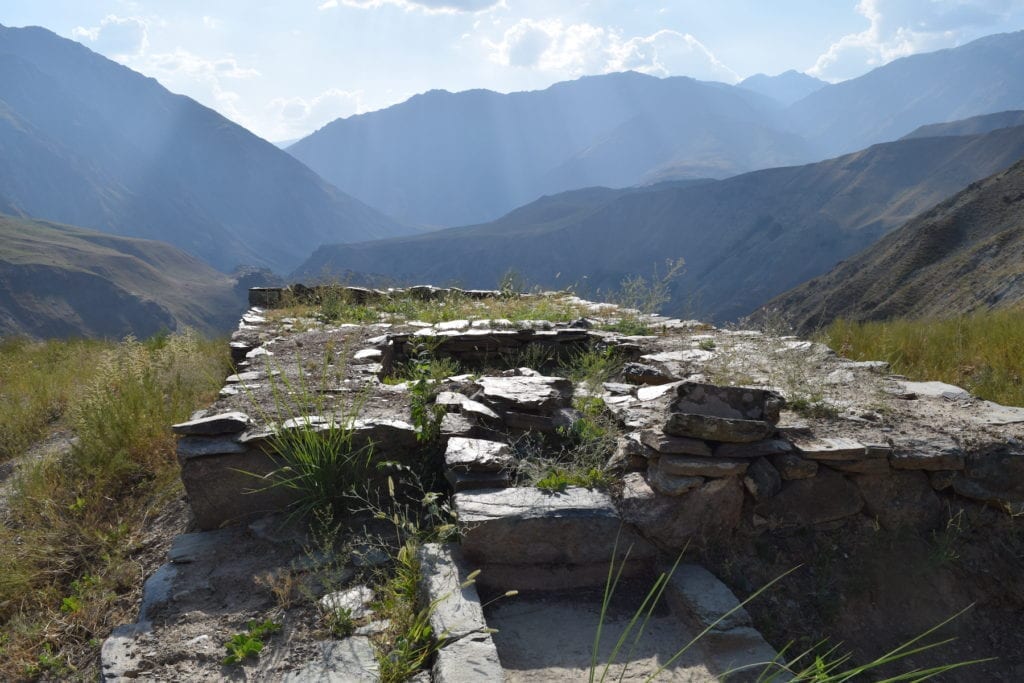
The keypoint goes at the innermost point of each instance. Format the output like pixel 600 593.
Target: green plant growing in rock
pixel 592 367
pixel 249 643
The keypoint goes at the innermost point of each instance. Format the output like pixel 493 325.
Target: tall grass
pixel 76 521
pixel 980 352
pixel 38 382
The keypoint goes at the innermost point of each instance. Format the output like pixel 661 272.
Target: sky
pixel 283 69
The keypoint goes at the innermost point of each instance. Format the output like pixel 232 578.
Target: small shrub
pixel 249 643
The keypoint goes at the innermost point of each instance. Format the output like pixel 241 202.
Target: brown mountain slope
pixel 60 281
pixel 965 254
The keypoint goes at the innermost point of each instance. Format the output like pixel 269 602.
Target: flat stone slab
pixel 934 389
pixel 529 526
pixel 356 601
pixel 470 481
pixel 351 660
pixel 740 403
pixel 199 446
pixel 757 449
pixel 477 455
pixel 829 448
pixel 700 597
pixel 681 465
pixel 670 484
pixel 221 423
pixel 678 445
pixel 531 393
pixel 717 428
pixel 927 455
pixel 995 414
pixel 792 466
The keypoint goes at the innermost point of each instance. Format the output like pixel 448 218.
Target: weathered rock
pixel 757 449
pixel 938 454
pixel 792 466
pixel 222 423
pixel 717 428
pixel 367 356
pixel 865 466
pixel 242 377
pixel 681 465
pixel 941 479
pixel 199 446
pixel 701 599
pixel 196 546
pixel 477 455
pixel 444 579
pixel 993 477
pixel 670 484
pixel 629 456
pixel 455 424
pixel 712 509
pixel 121 657
pixel 468 660
pixel 528 526
pixel 741 654
pixel 934 390
pixel 829 448
pixel 231 489
pixel 640 373
pixel 900 500
pixel 471 481
pixel 676 445
pixel 738 403
pixel 356 601
pixel 762 480
pixel 526 393
pixel 826 497
pixel 352 660
pixel 654 391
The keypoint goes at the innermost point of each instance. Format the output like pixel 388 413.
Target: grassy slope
pixel 966 254
pixel 58 280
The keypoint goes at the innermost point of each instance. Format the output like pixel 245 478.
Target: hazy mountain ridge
pixel 449 158
pixel 786 88
pixel 974 125
pixel 60 280
pixel 87 141
pixel 745 238
pixel 965 254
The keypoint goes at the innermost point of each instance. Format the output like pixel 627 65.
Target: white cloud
pixel 897 28
pixel 428 6
pixel 577 49
pixel 115 36
pixel 297 116
pixel 211 22
pixel 182 62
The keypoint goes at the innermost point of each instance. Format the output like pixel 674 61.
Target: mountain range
pixel 60 281
pixel 458 158
pixel 86 141
pixel 965 254
pixel 745 239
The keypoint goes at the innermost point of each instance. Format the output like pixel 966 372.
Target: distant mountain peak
pixel 786 87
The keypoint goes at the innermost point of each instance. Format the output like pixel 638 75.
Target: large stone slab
pixel 352 660
pixel 900 500
pixel 739 403
pixel 678 445
pixel 230 489
pixel 762 480
pixel 684 466
pixel 717 428
pixel 699 597
pixel 993 477
pixel 529 526
pixel 829 448
pixel 757 449
pixel 937 454
pixel 526 393
pixel 223 423
pixel 712 509
pixel 805 502
pixel 445 583
pixel 199 446
pixel 792 466
pixel 670 484
pixel 477 455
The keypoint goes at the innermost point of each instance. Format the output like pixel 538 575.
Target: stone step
pixel 545 541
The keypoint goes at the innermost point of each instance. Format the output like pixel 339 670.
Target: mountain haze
pixel 785 88
pixel 965 254
pixel 745 239
pixel 59 281
pixel 972 126
pixel 981 77
pixel 445 158
pixel 84 140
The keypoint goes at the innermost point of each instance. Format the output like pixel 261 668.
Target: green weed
pixel 249 643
